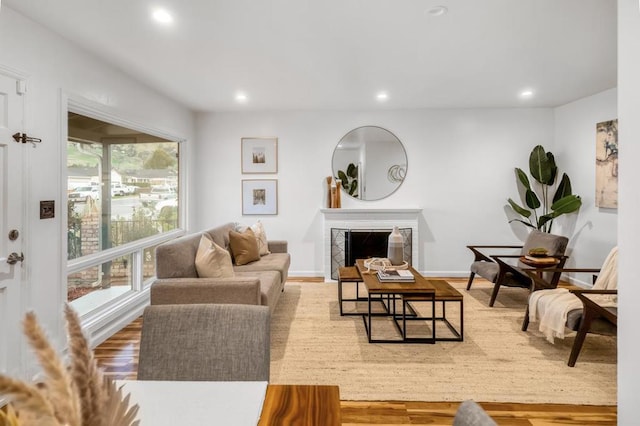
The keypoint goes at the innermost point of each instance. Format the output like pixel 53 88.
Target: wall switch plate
pixel 47 209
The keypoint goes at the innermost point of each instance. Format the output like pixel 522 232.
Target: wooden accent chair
pixel 587 310
pixel 214 342
pixel 494 268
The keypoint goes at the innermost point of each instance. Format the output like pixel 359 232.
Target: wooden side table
pixel 541 264
pixel 349 274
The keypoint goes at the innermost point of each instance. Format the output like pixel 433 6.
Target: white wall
pixel 460 172
pixel 629 198
pixel 54 65
pixel 594 231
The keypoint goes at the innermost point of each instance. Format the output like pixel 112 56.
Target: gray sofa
pixel 257 283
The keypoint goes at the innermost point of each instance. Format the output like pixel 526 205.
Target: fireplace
pixel 340 224
pixel 347 245
pixel 361 244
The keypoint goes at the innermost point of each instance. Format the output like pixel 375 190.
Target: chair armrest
pixel 278 246
pixel 571 270
pixel 591 291
pixel 513 256
pixel 490 246
pixel 504 266
pixel 541 284
pixel 238 290
pixel 478 255
pixel 591 305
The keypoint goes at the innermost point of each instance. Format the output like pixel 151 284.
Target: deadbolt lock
pixel 14 234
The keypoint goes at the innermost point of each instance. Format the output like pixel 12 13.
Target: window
pixel 122 200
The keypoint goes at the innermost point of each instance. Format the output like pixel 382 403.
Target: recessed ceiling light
pixel 525 94
pixel 241 97
pixel 382 96
pixel 162 16
pixel 437 11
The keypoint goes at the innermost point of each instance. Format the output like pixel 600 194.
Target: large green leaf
pixel 343 178
pixel 522 177
pixel 568 204
pixel 540 166
pixel 542 220
pixel 564 188
pixel 553 167
pixel 520 210
pixel 352 171
pixel 353 188
pixel 532 199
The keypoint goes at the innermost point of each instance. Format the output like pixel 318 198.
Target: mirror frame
pixel 399 170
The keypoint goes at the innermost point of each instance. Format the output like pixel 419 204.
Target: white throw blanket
pixel 551 307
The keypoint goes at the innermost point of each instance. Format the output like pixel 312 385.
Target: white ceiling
pixel 337 54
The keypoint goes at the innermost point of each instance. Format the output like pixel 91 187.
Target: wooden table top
pixel 374 286
pixel 443 290
pixel 306 405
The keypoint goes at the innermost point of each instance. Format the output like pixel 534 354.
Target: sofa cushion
pixel 270 286
pixel 212 261
pixel 176 258
pixel 273 262
pixel 261 238
pixel 220 234
pixel 244 247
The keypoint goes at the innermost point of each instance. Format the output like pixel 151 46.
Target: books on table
pixel 396 275
pixel 542 260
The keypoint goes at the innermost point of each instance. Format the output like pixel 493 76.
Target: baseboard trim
pixel 107 322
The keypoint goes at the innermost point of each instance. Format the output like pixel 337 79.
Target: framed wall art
pixel 259 196
pixel 607 164
pixel 259 155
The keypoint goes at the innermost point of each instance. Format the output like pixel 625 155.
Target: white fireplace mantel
pixel 354 214
pixel 369 219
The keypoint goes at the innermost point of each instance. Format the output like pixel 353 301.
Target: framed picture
pixel 607 164
pixel 259 196
pixel 259 155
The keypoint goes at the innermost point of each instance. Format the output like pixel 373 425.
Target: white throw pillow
pixel 261 236
pixel 212 261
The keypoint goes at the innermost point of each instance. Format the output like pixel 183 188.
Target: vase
pixel 326 190
pixel 395 249
pixel 333 191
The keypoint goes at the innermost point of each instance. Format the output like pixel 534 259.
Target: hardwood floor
pixel 118 356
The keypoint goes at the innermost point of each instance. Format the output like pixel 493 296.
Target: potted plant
pixel 543 169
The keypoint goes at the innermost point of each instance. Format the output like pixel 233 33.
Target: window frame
pixel 140 286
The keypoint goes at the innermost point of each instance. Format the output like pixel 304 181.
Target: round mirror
pixel 370 162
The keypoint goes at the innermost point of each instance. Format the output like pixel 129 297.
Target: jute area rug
pixel 497 362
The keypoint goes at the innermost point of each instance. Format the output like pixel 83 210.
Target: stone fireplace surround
pixel 369 219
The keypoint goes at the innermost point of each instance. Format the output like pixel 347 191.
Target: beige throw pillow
pixel 244 246
pixel 261 237
pixel 212 261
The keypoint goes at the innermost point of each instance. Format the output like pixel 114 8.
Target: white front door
pixel 11 227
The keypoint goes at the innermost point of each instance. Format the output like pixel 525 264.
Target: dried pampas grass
pixel 77 395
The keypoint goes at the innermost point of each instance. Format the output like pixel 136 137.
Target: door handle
pixel 15 258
